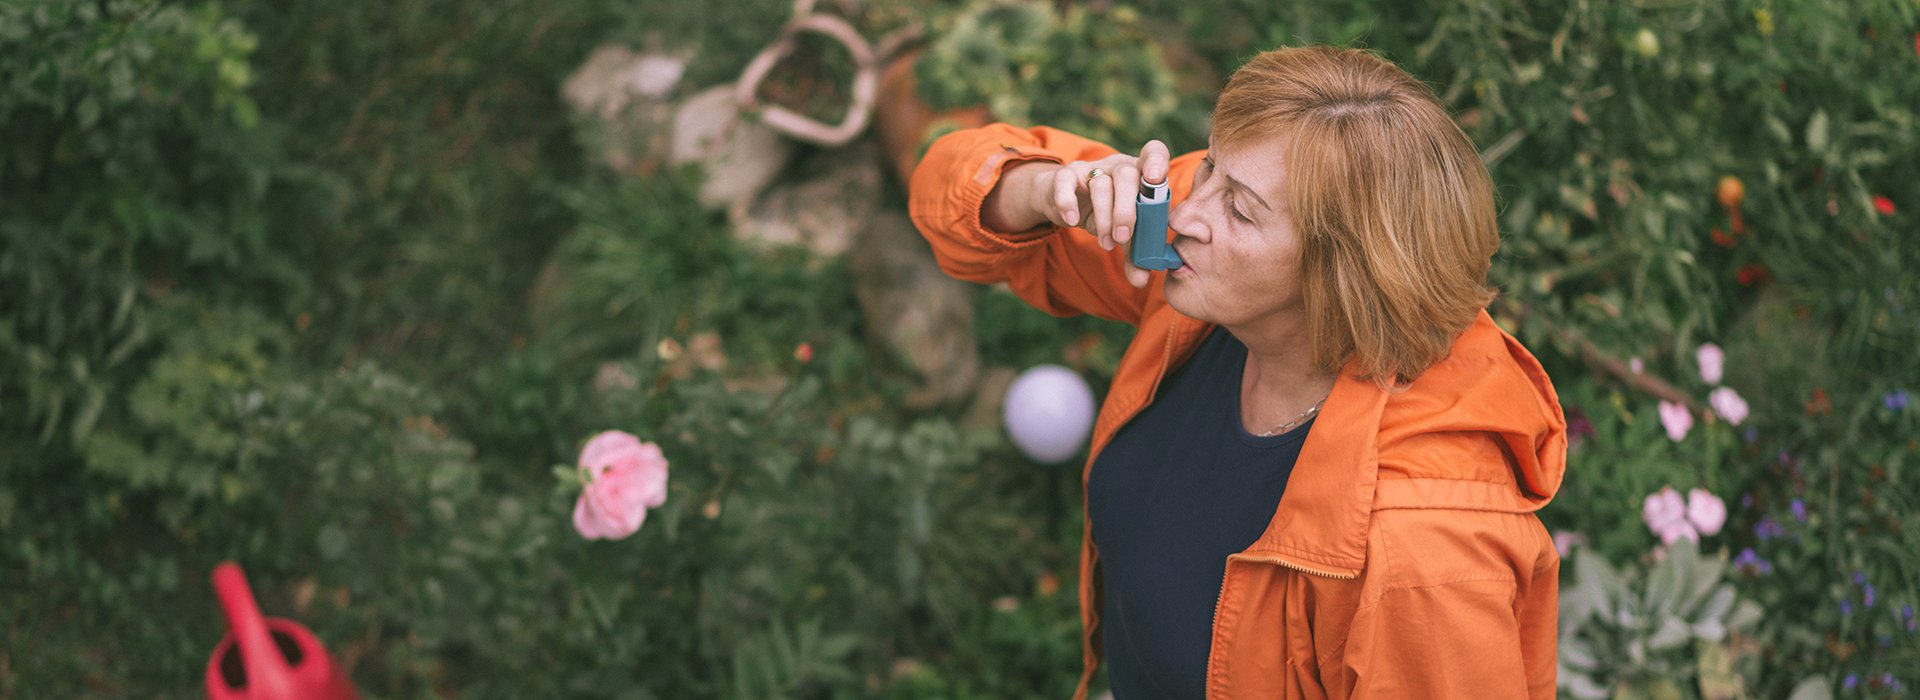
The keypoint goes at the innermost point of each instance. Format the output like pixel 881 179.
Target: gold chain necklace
pixel 1289 425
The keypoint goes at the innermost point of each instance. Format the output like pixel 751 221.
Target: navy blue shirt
pixel 1178 489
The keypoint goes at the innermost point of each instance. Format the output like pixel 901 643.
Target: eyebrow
pixel 1236 183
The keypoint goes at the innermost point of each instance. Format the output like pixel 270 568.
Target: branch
pixel 1604 363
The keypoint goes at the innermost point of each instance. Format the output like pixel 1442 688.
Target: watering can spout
pixel 277 659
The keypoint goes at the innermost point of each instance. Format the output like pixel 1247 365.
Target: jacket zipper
pixel 1297 567
pixel 1268 559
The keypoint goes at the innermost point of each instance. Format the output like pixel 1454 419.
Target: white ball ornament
pixel 1049 413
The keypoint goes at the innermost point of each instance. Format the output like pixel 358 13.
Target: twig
pixel 1499 150
pixel 1605 363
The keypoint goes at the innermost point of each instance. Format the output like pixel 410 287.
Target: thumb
pixel 1154 159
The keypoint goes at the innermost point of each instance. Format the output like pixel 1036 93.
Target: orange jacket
pixel 1404 560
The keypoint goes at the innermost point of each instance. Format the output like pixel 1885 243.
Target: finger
pixel 1100 190
pixel 1066 197
pixel 1154 162
pixel 1126 194
pixel 1138 277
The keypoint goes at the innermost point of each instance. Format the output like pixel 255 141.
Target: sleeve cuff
pixel 973 195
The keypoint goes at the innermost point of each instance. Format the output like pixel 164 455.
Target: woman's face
pixel 1237 238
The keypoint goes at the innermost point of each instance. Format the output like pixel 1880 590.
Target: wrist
pixel 1018 201
pixel 1036 180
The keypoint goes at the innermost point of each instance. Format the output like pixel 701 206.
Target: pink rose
pixel 1728 404
pixel 1712 361
pixel 1677 420
pixel 1666 515
pixel 1706 511
pixel 625 478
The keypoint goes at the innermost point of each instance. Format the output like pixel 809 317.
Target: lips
pixel 1186 263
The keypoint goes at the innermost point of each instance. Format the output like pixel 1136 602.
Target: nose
pixel 1186 222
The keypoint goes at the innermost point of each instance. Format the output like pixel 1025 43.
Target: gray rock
pixel 915 313
pixel 832 196
pixel 622 99
pixel 740 157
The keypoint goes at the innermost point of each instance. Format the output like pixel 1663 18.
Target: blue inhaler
pixel 1150 250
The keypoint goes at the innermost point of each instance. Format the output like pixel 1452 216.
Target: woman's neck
pixel 1280 368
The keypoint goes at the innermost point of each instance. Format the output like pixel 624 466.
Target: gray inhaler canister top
pixel 1150 250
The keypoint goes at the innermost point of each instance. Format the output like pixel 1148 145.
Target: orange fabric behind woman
pixel 1404 559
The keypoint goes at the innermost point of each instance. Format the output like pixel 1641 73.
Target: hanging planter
pixel 792 123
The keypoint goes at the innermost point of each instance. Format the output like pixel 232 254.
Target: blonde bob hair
pixel 1392 201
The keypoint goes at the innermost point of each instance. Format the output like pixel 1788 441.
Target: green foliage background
pixel 266 293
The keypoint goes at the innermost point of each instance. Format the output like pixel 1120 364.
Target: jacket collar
pixel 1489 393
pixel 1321 524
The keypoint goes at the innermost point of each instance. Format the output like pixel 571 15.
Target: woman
pixel 1316 471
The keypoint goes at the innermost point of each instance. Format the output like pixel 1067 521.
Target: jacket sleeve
pixel 1463 639
pixel 1061 271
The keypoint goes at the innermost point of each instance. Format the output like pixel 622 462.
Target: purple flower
pixel 1799 510
pixel 1752 435
pixel 1886 679
pixel 1850 682
pixel 1866 595
pixel 1579 428
pixel 1896 400
pixel 1846 608
pixel 1859 578
pixel 1906 616
pixel 1767 528
pixel 1750 563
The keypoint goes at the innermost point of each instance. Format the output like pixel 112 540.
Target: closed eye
pixel 1208 160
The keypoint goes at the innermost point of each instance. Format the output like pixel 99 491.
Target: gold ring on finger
pixel 1095 173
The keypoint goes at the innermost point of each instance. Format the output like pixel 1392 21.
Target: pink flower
pixel 1728 404
pixel 1564 541
pixel 625 478
pixel 1706 511
pixel 1635 366
pixel 1677 420
pixel 1666 515
pixel 1711 361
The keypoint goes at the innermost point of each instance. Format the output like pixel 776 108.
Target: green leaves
pixel 271 303
pixel 801 662
pixel 1646 635
pixel 1817 130
pixel 1094 72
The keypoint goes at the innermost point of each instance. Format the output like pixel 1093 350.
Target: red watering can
pixel 267 658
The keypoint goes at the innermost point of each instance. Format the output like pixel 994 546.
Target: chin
pixel 1181 297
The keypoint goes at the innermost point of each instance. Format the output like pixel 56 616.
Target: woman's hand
pixel 1068 195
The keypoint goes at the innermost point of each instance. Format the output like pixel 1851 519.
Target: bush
pixel 266 276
